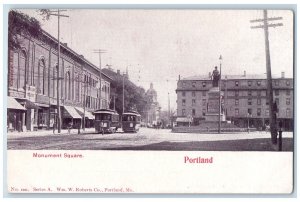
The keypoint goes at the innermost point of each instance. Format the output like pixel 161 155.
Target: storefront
pixel 89 117
pixel 71 117
pixel 15 115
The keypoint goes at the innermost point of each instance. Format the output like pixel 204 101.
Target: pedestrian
pixel 70 127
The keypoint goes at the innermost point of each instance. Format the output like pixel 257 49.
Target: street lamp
pixel 219 126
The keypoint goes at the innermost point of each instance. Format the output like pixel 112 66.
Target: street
pixel 146 139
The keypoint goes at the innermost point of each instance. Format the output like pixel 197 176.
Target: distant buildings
pixel 32 85
pixel 153 111
pixel 244 99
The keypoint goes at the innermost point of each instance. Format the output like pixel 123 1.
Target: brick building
pixel 32 82
pixel 244 99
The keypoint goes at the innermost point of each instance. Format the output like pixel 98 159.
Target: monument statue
pixel 215 77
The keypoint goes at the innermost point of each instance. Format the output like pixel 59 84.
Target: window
pixel 288 101
pixel 249 101
pixel 183 83
pixel 288 83
pixel 258 101
pixel 236 93
pixel 258 93
pixel 203 112
pixel 236 101
pixel 236 112
pixel 249 112
pixel 258 83
pixel 203 93
pixel 204 102
pixel 183 112
pixel 14 77
pixel 249 93
pixel 194 94
pixel 288 112
pixel 267 112
pixel 41 76
pixel 267 102
pixel 258 111
pixel 193 112
pixel 276 83
pixel 276 92
pixel 193 102
pixel 183 102
pixel 22 69
pixel 277 101
pixel 77 84
pixel 67 86
pixel 194 84
pixel 288 92
pixel 183 94
pixel 203 84
pixel 249 83
pixel 236 83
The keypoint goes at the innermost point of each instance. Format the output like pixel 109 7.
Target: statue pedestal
pixel 213 105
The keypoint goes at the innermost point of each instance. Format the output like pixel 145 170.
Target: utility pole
pixel 123 99
pixel 266 26
pixel 57 13
pixel 100 51
pixel 220 101
pixel 84 101
pixel 169 108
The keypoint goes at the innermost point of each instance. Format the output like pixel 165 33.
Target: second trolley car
pixel 131 121
pixel 106 121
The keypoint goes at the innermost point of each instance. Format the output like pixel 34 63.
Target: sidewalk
pixel 47 132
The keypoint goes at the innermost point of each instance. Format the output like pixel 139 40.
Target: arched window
pixel 77 87
pixel 22 69
pixel 15 69
pixel 68 86
pixel 54 79
pixel 41 76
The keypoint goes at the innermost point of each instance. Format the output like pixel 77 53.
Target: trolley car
pixel 131 121
pixel 106 121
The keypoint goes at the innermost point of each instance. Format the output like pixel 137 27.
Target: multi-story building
pixel 244 99
pixel 153 111
pixel 32 82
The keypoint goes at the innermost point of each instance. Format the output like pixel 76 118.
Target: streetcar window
pixel 106 117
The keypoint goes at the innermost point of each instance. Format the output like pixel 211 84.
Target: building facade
pixel 32 82
pixel 245 99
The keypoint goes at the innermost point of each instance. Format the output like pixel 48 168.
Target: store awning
pixel 87 114
pixel 70 112
pixel 27 103
pixel 183 119
pixel 12 103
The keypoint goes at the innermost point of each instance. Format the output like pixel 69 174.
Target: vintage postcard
pixel 168 101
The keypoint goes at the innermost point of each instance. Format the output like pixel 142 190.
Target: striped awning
pixel 183 119
pixel 12 103
pixel 87 114
pixel 70 112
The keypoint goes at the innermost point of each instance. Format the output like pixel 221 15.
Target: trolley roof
pixel 105 111
pixel 134 113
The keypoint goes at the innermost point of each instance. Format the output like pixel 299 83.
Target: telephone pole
pixel 57 13
pixel 100 51
pixel 265 26
pixel 220 101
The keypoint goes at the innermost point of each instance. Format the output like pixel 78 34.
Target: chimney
pixel 209 75
pixel 179 77
pixel 244 73
pixel 81 56
pixel 65 44
pixel 282 75
pixel 118 72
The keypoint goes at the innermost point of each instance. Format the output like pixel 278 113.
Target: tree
pixel 21 24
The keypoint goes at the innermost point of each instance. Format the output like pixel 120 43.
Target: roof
pixel 132 113
pixel 234 77
pixel 105 111
pixel 13 104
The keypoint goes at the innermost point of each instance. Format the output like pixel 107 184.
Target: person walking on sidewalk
pixel 70 127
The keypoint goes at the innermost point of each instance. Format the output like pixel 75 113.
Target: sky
pixel 159 45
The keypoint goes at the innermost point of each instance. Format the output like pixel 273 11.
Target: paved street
pixel 146 139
